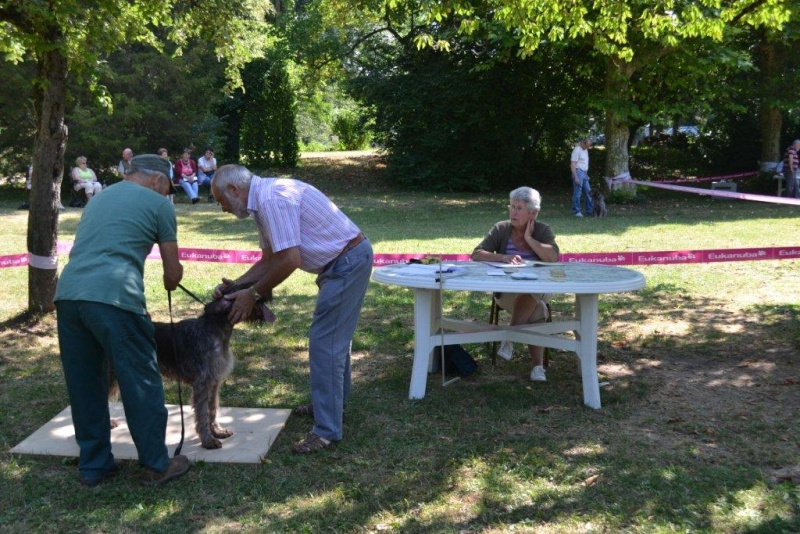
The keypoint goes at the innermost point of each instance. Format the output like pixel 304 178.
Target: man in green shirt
pixel 102 317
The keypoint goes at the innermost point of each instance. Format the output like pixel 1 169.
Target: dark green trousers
pixel 91 334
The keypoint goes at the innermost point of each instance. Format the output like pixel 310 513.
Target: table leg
pixel 426 305
pixel 586 307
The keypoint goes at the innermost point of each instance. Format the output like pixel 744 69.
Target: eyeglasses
pixel 512 207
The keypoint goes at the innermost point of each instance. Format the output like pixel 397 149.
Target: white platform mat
pixel 254 431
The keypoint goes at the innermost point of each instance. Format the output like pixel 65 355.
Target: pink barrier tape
pixel 708 178
pixel 715 193
pixel 661 257
pixel 380 260
pixel 668 257
pixel 16 260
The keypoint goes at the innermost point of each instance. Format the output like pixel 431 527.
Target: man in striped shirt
pixel 300 228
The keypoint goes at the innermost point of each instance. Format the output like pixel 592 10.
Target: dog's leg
pixel 202 424
pixel 216 430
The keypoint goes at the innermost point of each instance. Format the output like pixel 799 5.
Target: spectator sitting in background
pixel 84 179
pixel 164 153
pixel 124 166
pixel 206 167
pixel 186 171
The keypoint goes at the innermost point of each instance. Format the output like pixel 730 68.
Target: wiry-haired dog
pixel 200 355
pixel 598 203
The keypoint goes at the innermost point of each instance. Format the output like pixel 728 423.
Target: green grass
pixel 700 408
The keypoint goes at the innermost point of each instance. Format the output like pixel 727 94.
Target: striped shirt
pixel 512 249
pixel 290 213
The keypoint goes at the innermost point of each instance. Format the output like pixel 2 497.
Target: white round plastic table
pixel 586 281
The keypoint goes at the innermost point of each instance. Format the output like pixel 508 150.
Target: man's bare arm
pixel 173 270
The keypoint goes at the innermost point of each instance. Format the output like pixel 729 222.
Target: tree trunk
pixel 618 74
pixel 48 170
pixel 769 114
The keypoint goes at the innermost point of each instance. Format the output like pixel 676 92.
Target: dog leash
pixel 175 350
pixel 195 297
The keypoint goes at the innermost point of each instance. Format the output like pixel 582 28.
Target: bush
pixel 623 195
pixel 351 129
pixel 268 129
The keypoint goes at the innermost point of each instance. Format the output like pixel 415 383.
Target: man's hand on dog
pixel 243 303
pixel 220 289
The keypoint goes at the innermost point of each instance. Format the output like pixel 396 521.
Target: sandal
pixel 312 443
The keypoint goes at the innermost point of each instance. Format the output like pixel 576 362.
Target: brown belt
pixel 351 245
pixel 348 247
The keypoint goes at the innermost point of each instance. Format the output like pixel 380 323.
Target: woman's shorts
pixel 506 301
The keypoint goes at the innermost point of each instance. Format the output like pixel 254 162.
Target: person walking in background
pixel 579 167
pixel 124 166
pixel 790 163
pixel 84 179
pixel 300 228
pixel 102 320
pixel 186 172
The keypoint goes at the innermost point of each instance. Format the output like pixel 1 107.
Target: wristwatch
pixel 255 294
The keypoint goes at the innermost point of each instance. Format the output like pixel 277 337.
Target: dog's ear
pixel 264 313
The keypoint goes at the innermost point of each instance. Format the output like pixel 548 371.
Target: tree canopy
pixel 69 36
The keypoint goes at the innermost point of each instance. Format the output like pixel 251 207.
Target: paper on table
pixel 503 265
pixel 424 270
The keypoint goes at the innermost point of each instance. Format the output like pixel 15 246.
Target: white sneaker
pixel 537 375
pixel 578 214
pixel 506 350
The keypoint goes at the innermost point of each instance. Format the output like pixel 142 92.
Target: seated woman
pixel 206 167
pixel 84 179
pixel 521 238
pixel 186 173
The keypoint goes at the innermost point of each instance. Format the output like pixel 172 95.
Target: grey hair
pixel 148 172
pixel 237 175
pixel 528 195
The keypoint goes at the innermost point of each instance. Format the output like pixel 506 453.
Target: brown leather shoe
pixel 178 466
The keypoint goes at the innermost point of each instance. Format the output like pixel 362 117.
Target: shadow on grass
pixel 696 409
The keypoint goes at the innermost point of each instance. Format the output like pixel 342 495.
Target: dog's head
pixel 261 312
pixel 596 194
